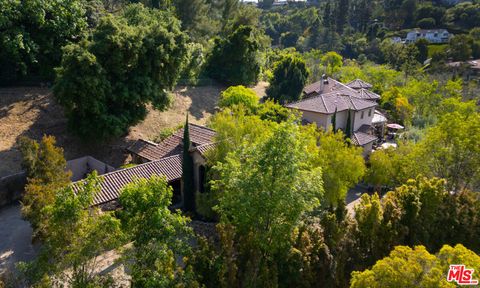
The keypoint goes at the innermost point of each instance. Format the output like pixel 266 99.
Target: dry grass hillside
pixel 32 112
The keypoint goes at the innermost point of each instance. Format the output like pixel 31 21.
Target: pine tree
pixel 187 172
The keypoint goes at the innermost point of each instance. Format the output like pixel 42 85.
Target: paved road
pixel 15 238
pixel 353 197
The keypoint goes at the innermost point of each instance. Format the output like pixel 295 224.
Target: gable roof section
pixel 172 145
pixel 361 138
pixel 202 149
pixel 112 183
pixel 320 87
pixel 326 103
pixel 359 84
pixel 367 94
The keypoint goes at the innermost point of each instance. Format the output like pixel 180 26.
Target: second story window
pixel 369 112
pixel 361 115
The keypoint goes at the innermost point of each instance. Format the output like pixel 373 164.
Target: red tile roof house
pixel 322 99
pixel 161 159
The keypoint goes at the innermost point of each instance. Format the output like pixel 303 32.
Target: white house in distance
pixel 330 98
pixel 432 35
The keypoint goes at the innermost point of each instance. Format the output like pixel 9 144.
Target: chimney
pixel 325 79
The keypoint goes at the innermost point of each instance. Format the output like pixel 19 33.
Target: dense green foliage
pixel 415 268
pixel 238 95
pixel 131 61
pixel 289 77
pixel 75 235
pixel 263 197
pixel 46 173
pixel 448 150
pixel 235 59
pixel 276 188
pixel 158 235
pixel 33 33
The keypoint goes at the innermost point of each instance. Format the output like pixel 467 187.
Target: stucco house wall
pixel 433 36
pixel 322 120
pixel 80 167
pixel 198 161
pixel 341 120
pixel 358 121
pixel 367 149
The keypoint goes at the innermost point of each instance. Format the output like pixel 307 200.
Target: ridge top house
pixel 431 35
pixel 354 100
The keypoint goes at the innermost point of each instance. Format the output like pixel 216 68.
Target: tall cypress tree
pixel 348 132
pixel 334 121
pixel 187 172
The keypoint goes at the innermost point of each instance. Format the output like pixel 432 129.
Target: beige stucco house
pixel 355 102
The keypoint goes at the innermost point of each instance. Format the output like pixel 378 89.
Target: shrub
pixel 239 95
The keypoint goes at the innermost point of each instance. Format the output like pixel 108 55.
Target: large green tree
pixel 265 188
pixel 451 150
pixel 132 60
pixel 239 95
pixel 194 15
pixel 289 77
pixel 33 33
pixel 76 234
pixel 235 59
pixel 46 172
pixel 159 236
pixel 335 155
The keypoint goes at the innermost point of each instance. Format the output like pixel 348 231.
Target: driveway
pixel 15 238
pixel 353 197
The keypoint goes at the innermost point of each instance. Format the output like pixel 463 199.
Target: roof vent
pixel 325 79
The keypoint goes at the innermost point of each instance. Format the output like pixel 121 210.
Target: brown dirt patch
pixel 32 112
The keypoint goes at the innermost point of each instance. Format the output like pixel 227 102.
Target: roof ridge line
pixel 305 99
pixel 198 125
pixel 325 105
pixel 131 168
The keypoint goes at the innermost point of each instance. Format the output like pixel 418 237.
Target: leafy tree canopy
pixel 132 60
pixel 75 236
pixel 407 267
pixel 46 172
pixel 239 95
pixel 33 33
pixel 235 60
pixel 265 188
pixel 158 235
pixel 289 77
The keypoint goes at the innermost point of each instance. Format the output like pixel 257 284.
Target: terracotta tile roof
pixel 321 87
pixel 359 84
pixel 367 94
pixel 324 98
pixel 365 128
pixel 112 183
pixel 172 145
pixel 326 103
pixel 205 147
pixel 360 138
